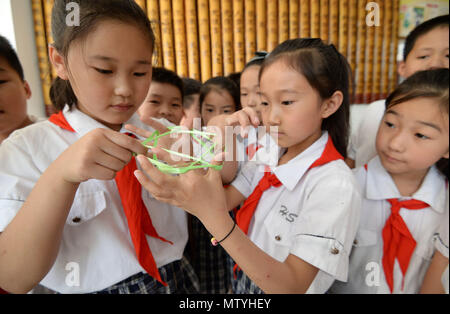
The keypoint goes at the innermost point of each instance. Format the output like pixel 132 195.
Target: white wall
pixel 16 24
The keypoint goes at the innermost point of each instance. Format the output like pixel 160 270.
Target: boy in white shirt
pixel 14 92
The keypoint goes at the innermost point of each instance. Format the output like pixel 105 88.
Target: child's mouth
pixel 122 107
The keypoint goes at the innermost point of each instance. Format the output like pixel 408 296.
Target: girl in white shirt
pixel 71 214
pixel 299 237
pixel 404 189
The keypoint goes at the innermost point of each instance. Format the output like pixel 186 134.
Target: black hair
pixel 91 14
pixel 166 76
pixel 258 59
pixel 9 54
pixel 235 77
pixel 221 83
pixel 327 71
pixel 190 88
pixel 422 29
pixel 428 84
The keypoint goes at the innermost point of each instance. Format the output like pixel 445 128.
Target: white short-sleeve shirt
pixel 96 240
pixel 441 243
pixel 362 141
pixel 314 214
pixel 366 273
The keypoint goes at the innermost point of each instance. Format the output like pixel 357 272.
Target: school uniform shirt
pixel 362 141
pixel 96 250
pixel 366 269
pixel 441 244
pixel 314 214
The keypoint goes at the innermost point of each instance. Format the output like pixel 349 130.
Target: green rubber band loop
pixel 198 163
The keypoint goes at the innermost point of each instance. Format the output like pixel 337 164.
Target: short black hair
pixel 422 29
pixel 166 76
pixel 9 54
pixel 191 86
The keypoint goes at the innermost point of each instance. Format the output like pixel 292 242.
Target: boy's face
pixel 430 51
pixel 14 94
pixel 163 101
pixel 193 111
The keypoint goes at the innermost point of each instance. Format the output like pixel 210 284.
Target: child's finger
pixel 136 130
pixel 253 116
pixel 157 126
pixel 155 190
pixel 159 178
pixel 125 141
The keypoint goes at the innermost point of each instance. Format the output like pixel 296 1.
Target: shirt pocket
pixel 278 229
pixel 85 207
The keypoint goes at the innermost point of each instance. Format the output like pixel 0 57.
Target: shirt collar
pixel 83 124
pixel 290 173
pixel 380 186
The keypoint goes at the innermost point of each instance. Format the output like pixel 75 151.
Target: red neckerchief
pixel 139 221
pixel 245 214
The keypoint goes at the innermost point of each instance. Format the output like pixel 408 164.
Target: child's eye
pixel 263 103
pixel 244 95
pixel 209 110
pixel 287 102
pixel 3 81
pixel 140 74
pixel 421 136
pixel 389 124
pixel 422 57
pixel 102 71
pixel 176 105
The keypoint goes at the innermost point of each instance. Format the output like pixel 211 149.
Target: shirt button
pixel 334 251
pixel 278 238
pixel 76 220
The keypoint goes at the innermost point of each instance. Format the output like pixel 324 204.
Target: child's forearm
pixel 30 243
pixel 272 276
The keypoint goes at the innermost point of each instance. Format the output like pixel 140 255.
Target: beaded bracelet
pixel 214 242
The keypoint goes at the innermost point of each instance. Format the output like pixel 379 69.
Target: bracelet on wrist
pixel 214 242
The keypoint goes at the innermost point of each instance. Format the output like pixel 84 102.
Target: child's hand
pixel 244 118
pixel 179 143
pixel 198 192
pixel 100 154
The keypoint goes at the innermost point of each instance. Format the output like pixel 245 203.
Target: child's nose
pixel 398 142
pixel 274 116
pixel 123 87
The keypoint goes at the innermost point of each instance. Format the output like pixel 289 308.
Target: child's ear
pixel 58 62
pixel 401 69
pixel 27 89
pixel 446 155
pixel 332 104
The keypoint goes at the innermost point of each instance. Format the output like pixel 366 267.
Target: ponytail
pixel 61 93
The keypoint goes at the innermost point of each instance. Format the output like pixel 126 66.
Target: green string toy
pixel 203 138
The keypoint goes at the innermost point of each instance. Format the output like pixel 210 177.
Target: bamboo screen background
pixel 206 38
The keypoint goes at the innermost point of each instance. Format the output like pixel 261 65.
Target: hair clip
pixel 259 55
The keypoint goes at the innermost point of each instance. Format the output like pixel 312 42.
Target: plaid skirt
pixel 208 261
pixel 179 276
pixel 244 285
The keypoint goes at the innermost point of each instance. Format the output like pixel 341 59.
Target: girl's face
pixel 215 103
pixel 413 136
pixel 289 103
pixel 110 72
pixel 250 88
